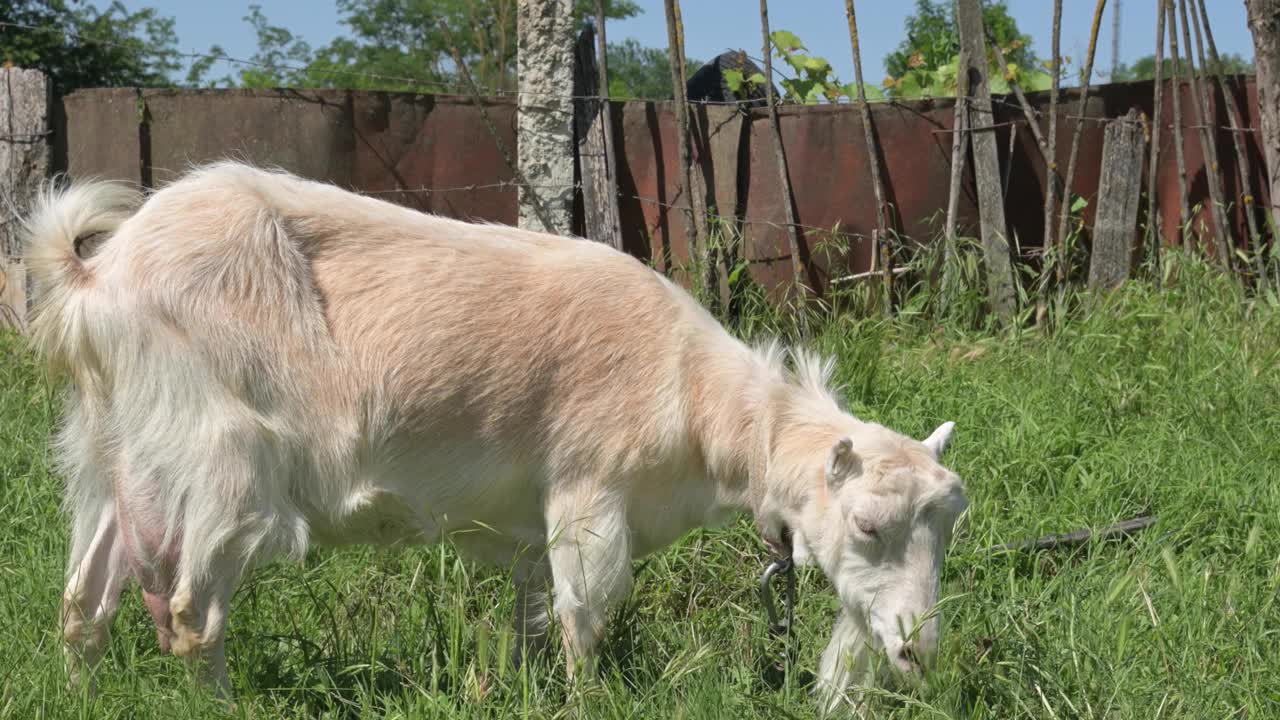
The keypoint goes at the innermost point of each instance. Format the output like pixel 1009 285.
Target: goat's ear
pixel 937 442
pixel 842 463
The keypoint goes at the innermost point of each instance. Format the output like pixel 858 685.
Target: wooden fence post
pixel 1119 193
pixel 24 164
pixel 595 159
pixel 986 160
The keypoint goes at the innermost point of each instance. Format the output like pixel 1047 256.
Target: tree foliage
pixel 78 45
pixel 1144 68
pixel 638 72
pixel 396 45
pixel 924 64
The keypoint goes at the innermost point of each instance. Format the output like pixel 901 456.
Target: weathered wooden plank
pixel 599 194
pixel 1119 194
pixel 986 160
pixel 24 164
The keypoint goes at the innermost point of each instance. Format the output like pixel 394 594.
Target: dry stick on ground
pixel 793 236
pixel 1047 243
pixel 606 115
pixel 873 162
pixel 1079 537
pixel 1064 213
pixel 538 207
pixel 1208 145
pixel 1184 209
pixel 1155 227
pixel 675 52
pixel 1242 157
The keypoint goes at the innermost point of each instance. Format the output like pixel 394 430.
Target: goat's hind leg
pixel 98 569
pixel 221 541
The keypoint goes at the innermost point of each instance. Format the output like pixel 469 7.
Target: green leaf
pixel 997 83
pixel 756 79
pixel 786 41
pixel 910 86
pixel 732 80
pixel 1079 204
pixel 1036 82
pixel 801 91
pixel 874 94
pixel 814 64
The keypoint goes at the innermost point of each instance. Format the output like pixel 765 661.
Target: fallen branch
pixel 1079 537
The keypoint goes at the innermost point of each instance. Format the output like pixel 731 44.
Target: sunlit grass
pixel 1152 402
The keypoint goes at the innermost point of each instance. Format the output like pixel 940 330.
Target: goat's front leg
pixel 532 578
pixel 591 568
pixel 845 664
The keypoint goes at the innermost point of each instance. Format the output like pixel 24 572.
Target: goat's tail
pixel 61 218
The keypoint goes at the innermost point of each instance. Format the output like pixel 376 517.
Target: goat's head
pixel 878 526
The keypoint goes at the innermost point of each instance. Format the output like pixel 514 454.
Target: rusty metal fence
pixel 432 152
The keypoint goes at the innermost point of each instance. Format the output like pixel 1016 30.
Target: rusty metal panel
pixel 305 132
pixel 436 154
pixel 100 134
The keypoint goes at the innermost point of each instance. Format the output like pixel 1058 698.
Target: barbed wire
pixel 461 90
pixel 668 206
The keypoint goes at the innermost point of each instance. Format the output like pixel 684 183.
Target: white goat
pixel 262 362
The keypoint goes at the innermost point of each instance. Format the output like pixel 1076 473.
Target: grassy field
pixel 1165 403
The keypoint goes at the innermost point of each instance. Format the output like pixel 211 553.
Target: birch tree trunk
pixel 544 125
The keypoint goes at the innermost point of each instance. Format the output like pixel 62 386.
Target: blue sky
pixel 711 27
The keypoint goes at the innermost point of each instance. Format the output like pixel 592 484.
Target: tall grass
pixel 1144 401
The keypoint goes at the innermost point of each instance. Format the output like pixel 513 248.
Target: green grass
pixel 1163 402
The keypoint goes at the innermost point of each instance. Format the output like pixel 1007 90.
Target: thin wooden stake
pixel 1027 112
pixel 1064 212
pixel 675 52
pixel 784 177
pixel 1155 225
pixel 539 208
pixel 1242 156
pixel 1184 209
pixel 959 151
pixel 1047 243
pixel 1208 145
pixel 606 115
pixel 873 161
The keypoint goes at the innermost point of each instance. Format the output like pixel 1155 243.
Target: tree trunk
pixel 24 164
pixel 544 126
pixel 1264 24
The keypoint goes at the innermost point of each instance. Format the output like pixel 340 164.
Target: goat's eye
pixel 867 528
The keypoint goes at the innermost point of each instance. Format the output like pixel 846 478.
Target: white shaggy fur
pixel 261 362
